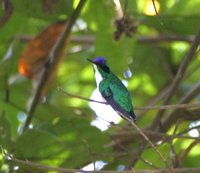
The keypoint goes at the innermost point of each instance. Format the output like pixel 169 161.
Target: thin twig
pixel 154 6
pixel 157 14
pixel 79 97
pixel 51 59
pixel 175 106
pixel 148 163
pixel 148 140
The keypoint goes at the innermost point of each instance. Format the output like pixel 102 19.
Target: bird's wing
pixel 117 96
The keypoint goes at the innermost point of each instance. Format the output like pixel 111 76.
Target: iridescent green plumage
pixel 113 90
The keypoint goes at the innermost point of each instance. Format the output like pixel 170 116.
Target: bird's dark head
pixel 101 63
pixel 99 60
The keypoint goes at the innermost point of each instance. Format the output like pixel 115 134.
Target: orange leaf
pixel 33 58
pixel 35 53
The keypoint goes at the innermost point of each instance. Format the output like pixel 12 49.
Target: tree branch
pixel 183 155
pixel 175 106
pixel 11 159
pixel 79 97
pixel 89 39
pixel 123 137
pixel 51 59
pixel 8 8
pixel 147 140
pixel 178 78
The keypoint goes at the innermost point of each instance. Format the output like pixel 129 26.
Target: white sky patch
pixel 121 168
pixel 100 124
pixel 75 49
pixel 16 168
pixel 30 126
pixel 80 25
pixel 96 166
pixel 105 113
pixel 194 132
pixel 9 53
pixel 128 73
pixel 21 116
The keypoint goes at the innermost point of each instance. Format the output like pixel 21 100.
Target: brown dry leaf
pixel 33 58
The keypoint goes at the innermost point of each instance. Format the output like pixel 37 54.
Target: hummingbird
pixel 112 89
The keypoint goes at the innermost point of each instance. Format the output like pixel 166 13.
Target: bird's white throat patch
pixel 98 76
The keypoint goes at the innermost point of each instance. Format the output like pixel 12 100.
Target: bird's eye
pixel 105 68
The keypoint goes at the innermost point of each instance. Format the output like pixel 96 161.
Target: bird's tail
pixel 132 116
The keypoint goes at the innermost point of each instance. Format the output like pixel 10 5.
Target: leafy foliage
pixel 60 133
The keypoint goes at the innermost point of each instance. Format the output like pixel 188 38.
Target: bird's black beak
pixel 90 61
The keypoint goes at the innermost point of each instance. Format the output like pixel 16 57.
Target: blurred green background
pixel 61 134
